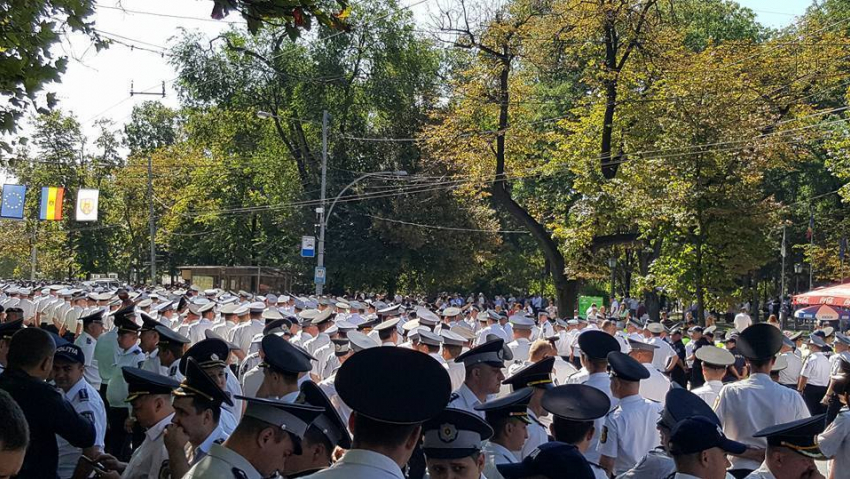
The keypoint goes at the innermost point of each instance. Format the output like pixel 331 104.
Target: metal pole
pixel 151 223
pixel 811 262
pixel 321 255
pixel 782 314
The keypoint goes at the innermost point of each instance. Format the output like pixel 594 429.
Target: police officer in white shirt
pixel 508 416
pixel 522 326
pixel 452 443
pixel 629 432
pixel 790 375
pixel 662 355
pixel 87 341
pixel 714 363
pixel 654 387
pixel 150 396
pixel 834 442
pixel 574 408
pixel 814 378
pixel 211 355
pixel 748 406
pixel 128 354
pixel 419 389
pixel 197 411
pixel 484 375
pixel 699 449
pixel 792 450
pixel 170 346
pixel 283 363
pixel 68 372
pixel 538 377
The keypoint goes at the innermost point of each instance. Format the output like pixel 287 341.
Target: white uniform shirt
pixel 151 458
pixel 654 387
pixel 834 442
pixel 816 370
pixel 520 348
pixel 361 464
pixel 602 382
pixel 481 336
pixel 750 405
pixel 656 464
pixel 233 388
pixel 457 373
pixel 536 436
pixel 835 361
pixel 562 371
pixel 197 330
pixel 791 374
pixel 222 463
pixel 709 392
pixel 761 473
pixel 116 390
pixel 314 344
pixel 243 333
pixel 465 399
pixel 662 354
pixel 496 454
pixel 87 343
pixel 87 402
pixel 217 436
pixel 330 391
pixel 629 432
pixel 251 381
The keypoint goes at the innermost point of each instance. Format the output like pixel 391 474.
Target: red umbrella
pixel 837 295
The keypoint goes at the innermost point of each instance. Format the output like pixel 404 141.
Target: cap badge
pixel 448 432
pixel 214 357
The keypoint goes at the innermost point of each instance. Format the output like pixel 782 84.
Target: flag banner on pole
pixel 51 203
pixel 13 201
pixel 87 205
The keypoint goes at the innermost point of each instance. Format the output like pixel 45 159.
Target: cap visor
pixel 516 470
pixel 448 453
pixel 732 447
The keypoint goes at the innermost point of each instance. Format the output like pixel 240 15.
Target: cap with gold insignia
pixel 148 323
pixel 800 435
pixel 699 433
pixel 125 320
pixel 282 356
pixel 141 383
pixel 7 330
pixel 538 375
pixel 714 356
pixel 513 405
pixel 379 383
pixel 492 352
pixel 625 367
pixel 95 317
pixel 292 418
pixel 329 422
pixel 199 384
pixel 454 434
pixel 208 353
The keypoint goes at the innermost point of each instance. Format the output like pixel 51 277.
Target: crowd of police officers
pixel 212 384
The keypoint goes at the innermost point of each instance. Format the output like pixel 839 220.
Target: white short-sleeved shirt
pixel 602 382
pixel 662 354
pixel 87 402
pixel 629 432
pixel 87 343
pixel 536 436
pixel 791 374
pixel 742 322
pixel 654 387
pixel 465 399
pixel 361 464
pixel 520 348
pixel 709 392
pixel 834 442
pixel 816 369
pixel 750 405
pixel 151 458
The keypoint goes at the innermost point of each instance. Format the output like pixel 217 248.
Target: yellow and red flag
pixel 51 203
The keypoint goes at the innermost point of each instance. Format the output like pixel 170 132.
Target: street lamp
pixel 264 115
pixel 612 263
pixel 798 270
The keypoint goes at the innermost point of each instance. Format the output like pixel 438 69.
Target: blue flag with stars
pixel 13 201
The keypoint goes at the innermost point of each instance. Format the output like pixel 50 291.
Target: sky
pixel 98 84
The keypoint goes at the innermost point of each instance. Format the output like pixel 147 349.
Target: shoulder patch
pixel 172 370
pixel 83 395
pixel 239 473
pixel 454 397
pixel 164 470
pixel 603 437
pixel 88 415
pixel 88 340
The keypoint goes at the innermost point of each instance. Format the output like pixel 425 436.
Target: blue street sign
pixel 308 246
pixel 319 275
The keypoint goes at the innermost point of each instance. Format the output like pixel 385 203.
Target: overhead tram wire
pixel 446 228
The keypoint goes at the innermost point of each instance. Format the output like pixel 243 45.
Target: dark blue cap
pixel 197 383
pixel 679 404
pixel 70 352
pixel 169 336
pixel 281 355
pixel 538 375
pixel 625 367
pixel 760 341
pixel 576 402
pixel 97 316
pixel 141 382
pixel 208 353
pixel 148 323
pixel 454 434
pixel 799 435
pixel 698 433
pixel 597 344
pixel 329 423
pixel 552 460
pixel 10 328
pixel 513 405
pixel 491 352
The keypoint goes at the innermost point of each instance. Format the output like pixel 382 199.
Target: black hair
pixel 386 334
pixel 569 431
pixel 315 436
pixel 202 404
pixel 29 347
pixel 758 363
pixel 14 430
pixel 377 433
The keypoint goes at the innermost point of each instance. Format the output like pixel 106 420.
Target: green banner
pixel 584 303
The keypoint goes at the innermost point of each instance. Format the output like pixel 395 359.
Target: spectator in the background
pixel 742 320
pixel 773 321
